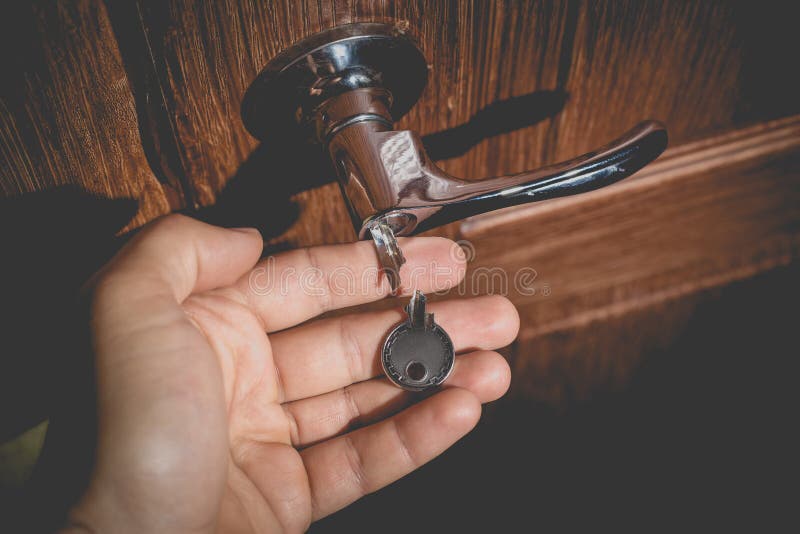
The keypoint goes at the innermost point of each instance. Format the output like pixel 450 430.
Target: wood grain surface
pixel 67 116
pixel 141 99
pixel 580 73
pixel 619 272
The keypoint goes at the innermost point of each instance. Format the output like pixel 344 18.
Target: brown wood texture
pixel 67 116
pixel 579 74
pixel 619 272
pixel 615 63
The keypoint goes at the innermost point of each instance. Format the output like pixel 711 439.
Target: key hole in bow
pixel 416 371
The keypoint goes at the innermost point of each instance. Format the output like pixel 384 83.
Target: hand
pixel 220 409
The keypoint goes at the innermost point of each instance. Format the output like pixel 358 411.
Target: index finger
pixel 291 287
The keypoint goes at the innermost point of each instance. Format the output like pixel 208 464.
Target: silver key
pixel 418 354
pixel 389 253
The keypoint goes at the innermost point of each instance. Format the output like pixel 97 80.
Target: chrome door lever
pixel 345 87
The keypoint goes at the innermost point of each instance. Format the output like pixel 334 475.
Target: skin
pixel 220 409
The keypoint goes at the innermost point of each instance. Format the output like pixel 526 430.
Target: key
pixel 389 253
pixel 418 354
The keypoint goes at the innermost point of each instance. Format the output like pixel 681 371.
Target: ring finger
pixel 485 373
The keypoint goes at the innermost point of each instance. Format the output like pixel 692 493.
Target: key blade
pixel 389 253
pixel 417 316
pixel 416 310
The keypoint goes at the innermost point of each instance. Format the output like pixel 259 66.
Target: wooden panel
pixel 67 116
pixel 565 75
pixel 648 59
pixel 613 63
pixel 611 266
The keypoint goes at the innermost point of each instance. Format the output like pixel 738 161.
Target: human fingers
pixel 485 373
pixel 291 287
pixel 333 353
pixel 344 469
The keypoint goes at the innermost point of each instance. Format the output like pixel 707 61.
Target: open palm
pixel 217 412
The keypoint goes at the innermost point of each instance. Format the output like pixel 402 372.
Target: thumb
pixel 162 438
pixel 181 255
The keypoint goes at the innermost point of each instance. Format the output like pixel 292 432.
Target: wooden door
pixel 113 113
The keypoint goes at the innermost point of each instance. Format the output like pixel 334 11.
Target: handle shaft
pixel 611 163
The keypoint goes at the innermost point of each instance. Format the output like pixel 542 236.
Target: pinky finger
pixel 346 468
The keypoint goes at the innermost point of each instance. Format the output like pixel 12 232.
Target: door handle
pixel 345 87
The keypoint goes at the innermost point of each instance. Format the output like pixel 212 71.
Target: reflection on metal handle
pixel 436 198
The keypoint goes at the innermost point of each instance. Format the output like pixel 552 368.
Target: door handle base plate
pixel 285 96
